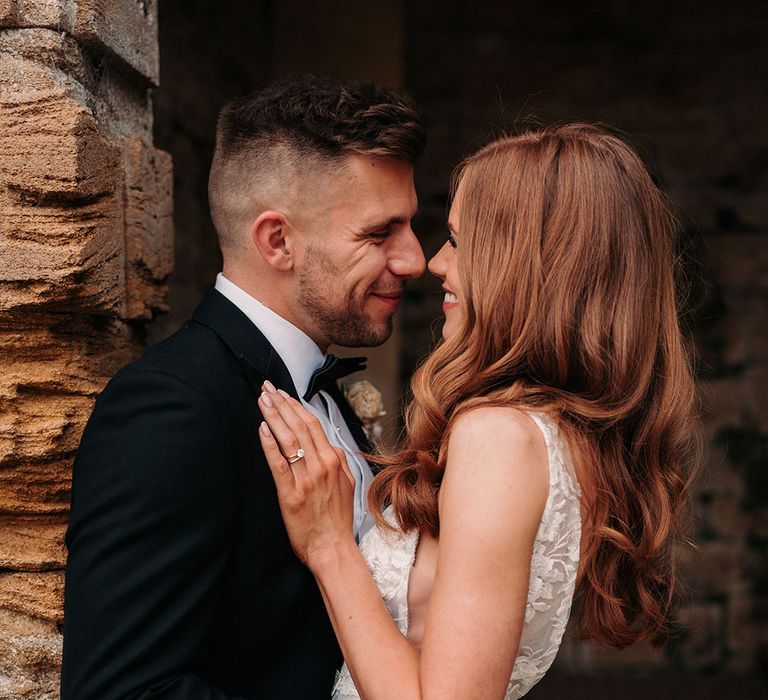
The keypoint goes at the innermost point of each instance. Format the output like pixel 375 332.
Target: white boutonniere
pixel 365 400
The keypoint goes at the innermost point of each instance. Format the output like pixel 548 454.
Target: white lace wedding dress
pixel 555 559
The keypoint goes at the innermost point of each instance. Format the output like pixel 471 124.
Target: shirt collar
pixel 297 350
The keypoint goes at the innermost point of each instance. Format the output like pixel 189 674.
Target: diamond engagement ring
pixel 295 458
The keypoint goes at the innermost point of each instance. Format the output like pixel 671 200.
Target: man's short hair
pixel 268 141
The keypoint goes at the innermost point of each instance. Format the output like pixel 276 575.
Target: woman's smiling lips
pixel 450 300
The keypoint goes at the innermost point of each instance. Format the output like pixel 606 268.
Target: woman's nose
pixel 439 264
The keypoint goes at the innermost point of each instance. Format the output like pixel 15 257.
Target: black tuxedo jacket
pixel 181 582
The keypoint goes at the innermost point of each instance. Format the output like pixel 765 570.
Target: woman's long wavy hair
pixel 566 260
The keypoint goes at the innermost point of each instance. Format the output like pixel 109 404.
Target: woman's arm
pixel 492 498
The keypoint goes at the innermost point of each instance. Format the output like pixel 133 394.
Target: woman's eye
pixel 451 240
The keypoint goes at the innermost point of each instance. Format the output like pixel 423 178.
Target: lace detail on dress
pixel 554 563
pixel 390 556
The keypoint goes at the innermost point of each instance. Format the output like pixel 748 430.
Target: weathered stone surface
pixel 51 146
pixel 37 13
pixel 35 62
pixel 30 658
pixel 61 354
pixel 742 260
pixel 37 59
pixel 41 426
pixel 32 543
pixel 746 632
pixel 36 487
pixel 39 594
pixel 714 568
pixel 85 241
pixel 125 29
pixel 52 367
pixel 638 655
pixel 701 644
pixel 59 211
pixel 148 227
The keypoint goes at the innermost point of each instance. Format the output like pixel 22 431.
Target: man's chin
pixel 371 336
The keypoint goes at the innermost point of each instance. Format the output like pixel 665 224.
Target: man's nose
pixel 407 258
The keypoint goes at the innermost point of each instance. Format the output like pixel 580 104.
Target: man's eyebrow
pixel 381 225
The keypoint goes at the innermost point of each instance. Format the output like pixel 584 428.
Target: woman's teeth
pixel 450 298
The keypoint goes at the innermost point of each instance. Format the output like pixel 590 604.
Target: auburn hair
pixel 566 260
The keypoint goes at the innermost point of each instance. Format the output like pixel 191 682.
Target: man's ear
pixel 270 236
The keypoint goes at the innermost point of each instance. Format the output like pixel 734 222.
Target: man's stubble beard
pixel 347 326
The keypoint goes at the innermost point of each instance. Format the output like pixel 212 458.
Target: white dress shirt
pixel 302 357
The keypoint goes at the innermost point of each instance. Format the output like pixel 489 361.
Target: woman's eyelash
pixel 451 240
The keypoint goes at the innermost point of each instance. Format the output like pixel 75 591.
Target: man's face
pixel 359 249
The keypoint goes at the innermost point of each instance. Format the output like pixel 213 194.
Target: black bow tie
pixel 333 368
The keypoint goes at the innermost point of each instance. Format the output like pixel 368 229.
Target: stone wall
pixel 85 250
pixel 687 84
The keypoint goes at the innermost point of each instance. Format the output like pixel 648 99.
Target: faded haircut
pixel 273 143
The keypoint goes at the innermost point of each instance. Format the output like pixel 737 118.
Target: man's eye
pixel 451 240
pixel 379 235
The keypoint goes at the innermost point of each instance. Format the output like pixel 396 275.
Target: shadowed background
pixel 686 83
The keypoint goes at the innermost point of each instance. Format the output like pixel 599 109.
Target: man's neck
pixel 274 297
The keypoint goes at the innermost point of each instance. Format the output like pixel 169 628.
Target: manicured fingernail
pixel 269 386
pixel 284 393
pixel 264 429
pixel 265 398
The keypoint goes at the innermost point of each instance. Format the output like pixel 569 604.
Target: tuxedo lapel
pixel 351 419
pixel 259 359
pixel 253 351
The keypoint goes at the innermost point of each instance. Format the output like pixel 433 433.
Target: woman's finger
pixel 325 450
pixel 278 465
pixel 289 411
pixel 345 465
pixel 286 439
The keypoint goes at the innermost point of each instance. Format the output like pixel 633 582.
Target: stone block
pixel 7 12
pixel 52 367
pixel 123 29
pixel 725 516
pixel 746 632
pixel 30 658
pixel 126 28
pixel 38 13
pixel 61 354
pixel 700 644
pixel 636 656
pixel 39 594
pixel 738 262
pixel 51 147
pixel 36 487
pixel 37 59
pixel 60 209
pixel 712 569
pixel 148 227
pixel 40 427
pixel 32 543
pixel 35 62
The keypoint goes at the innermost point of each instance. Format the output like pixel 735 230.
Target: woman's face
pixel 444 265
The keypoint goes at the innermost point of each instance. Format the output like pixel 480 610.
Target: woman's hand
pixel 314 485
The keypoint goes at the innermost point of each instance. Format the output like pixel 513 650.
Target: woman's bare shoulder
pixel 503 425
pixel 496 478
